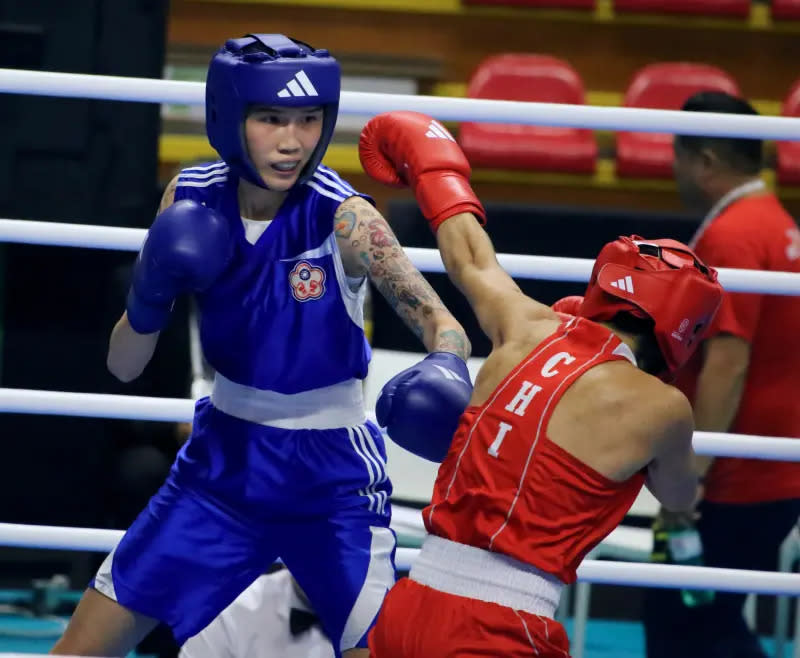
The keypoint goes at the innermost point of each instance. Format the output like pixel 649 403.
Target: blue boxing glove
pixel 420 406
pixel 187 248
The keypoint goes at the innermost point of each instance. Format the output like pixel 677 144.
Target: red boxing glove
pixel 568 305
pixel 409 148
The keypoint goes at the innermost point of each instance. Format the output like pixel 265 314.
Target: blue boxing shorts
pixel 241 495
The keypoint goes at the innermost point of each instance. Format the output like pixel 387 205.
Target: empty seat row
pixel 542 78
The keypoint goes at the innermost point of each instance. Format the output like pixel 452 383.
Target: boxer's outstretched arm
pixel 471 262
pixel 409 148
pixel 369 247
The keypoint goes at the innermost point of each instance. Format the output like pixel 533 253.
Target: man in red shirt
pixel 566 422
pixel 745 379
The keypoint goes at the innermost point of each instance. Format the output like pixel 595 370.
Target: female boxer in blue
pixel 282 462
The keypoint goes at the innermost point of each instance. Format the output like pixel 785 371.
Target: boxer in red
pixel 570 416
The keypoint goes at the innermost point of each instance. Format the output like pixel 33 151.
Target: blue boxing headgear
pixel 272 70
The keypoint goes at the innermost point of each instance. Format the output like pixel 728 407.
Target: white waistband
pixel 339 405
pixel 478 574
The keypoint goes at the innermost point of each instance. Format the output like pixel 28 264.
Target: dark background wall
pixel 81 161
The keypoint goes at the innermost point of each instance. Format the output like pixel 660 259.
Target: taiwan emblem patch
pixel 307 282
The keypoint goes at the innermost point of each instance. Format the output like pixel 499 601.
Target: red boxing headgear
pixel 658 279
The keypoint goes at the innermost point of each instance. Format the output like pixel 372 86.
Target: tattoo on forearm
pixel 452 340
pixel 345 222
pixel 405 290
pixel 379 235
pixel 396 278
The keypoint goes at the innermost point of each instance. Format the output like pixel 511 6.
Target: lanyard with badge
pixel 738 192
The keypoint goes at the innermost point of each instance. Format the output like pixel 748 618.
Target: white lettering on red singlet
pixel 527 391
pixel 548 370
pixel 494 449
pixel 523 398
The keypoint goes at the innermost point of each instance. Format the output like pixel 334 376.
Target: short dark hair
pixel 648 353
pixel 743 155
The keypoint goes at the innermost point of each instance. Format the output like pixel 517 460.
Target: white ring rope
pixel 548 268
pixel 74 85
pixel 593 571
pixel 97 405
pixel 178 410
pixel 404 519
pixel 64 234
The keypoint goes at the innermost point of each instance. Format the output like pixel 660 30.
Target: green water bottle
pixel 685 547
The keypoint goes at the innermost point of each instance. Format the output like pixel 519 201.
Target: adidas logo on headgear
pixel 299 85
pixel 625 284
pixel 437 131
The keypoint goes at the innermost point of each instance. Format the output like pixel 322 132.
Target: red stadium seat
pixel 786 9
pixel 552 4
pixel 528 78
pixel 663 86
pixel 788 153
pixel 740 8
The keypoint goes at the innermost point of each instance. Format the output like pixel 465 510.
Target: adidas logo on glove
pixel 437 131
pixel 449 374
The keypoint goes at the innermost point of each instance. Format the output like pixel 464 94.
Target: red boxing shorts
pixel 420 622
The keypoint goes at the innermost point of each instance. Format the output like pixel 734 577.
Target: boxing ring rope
pixel 592 571
pixel 105 87
pixel 550 268
pixel 179 410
